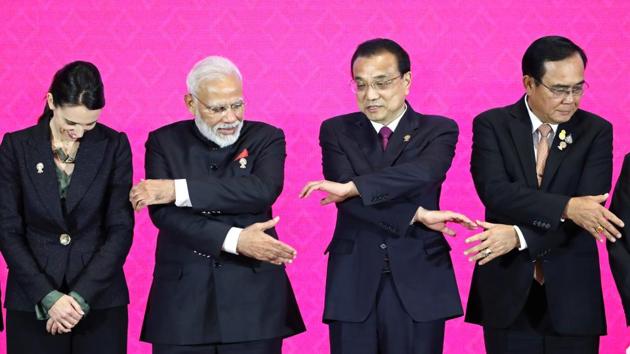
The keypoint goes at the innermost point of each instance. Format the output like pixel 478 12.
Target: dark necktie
pixel 384 134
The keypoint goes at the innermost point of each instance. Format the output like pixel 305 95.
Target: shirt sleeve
pixel 182 199
pixel 41 308
pixel 231 240
pixel 521 238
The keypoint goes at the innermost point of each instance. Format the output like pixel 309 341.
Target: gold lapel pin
pixel 406 138
pixel 40 168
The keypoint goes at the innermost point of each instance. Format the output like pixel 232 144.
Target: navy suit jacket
pixel 619 252
pixel 392 184
pixel 201 295
pixel 503 168
pixel 97 216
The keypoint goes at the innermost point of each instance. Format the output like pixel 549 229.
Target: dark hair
pixel 380 45
pixel 550 48
pixel 76 84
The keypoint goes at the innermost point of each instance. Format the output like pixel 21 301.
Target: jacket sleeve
pixel 15 250
pixel 498 193
pixel 426 171
pixel 619 252
pixel 254 193
pixel 196 231
pixel 119 220
pixel 338 168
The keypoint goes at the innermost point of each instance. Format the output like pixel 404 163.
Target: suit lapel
pixel 399 140
pixel 363 134
pixel 521 132
pixel 88 163
pixel 40 155
pixel 556 156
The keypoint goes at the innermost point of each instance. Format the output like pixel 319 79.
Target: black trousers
pixel 532 332
pixel 388 329
pixel 268 346
pixel 100 332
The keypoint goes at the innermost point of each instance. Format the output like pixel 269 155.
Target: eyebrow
pixel 567 86
pixel 73 122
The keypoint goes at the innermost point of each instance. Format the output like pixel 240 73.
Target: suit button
pixel 217 264
pixel 65 239
pixel 213 167
pixel 383 246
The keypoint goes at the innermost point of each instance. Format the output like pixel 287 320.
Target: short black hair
pixel 380 45
pixel 76 84
pixel 549 48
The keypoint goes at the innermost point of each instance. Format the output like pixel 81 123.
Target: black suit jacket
pixel 97 216
pixel 200 294
pixel 619 252
pixel 392 186
pixel 504 172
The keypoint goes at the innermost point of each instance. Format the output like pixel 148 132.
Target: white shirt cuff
pixel 231 240
pixel 521 238
pixel 182 199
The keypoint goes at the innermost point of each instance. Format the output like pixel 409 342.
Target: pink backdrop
pixel 294 57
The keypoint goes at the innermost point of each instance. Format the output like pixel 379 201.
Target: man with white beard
pixel 219 284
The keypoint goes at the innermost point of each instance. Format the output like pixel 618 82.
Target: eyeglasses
pixel 360 86
pixel 222 109
pixel 564 91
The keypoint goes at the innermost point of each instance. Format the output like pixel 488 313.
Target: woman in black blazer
pixel 66 223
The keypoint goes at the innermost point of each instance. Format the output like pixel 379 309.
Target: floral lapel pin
pixel 406 138
pixel 565 140
pixel 242 158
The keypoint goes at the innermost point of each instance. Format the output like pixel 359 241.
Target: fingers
pixel 268 224
pixel 448 231
pixel 79 311
pixel 478 237
pixel 49 325
pixel 613 218
pixel 461 219
pixel 486 225
pixel 309 188
pixel 599 198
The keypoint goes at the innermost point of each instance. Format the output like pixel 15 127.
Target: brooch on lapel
pixel 406 138
pixel 40 168
pixel 242 158
pixel 565 140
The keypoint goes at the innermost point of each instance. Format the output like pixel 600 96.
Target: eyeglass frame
pixel 213 109
pixel 565 92
pixel 387 82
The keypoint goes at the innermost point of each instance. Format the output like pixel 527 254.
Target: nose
pixel 78 131
pixel 230 116
pixel 371 93
pixel 569 98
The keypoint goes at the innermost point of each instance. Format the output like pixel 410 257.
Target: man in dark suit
pixel 542 167
pixel 390 284
pixel 619 252
pixel 219 282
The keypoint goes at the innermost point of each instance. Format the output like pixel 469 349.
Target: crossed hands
pixel 255 243
pixel 588 213
pixel 65 314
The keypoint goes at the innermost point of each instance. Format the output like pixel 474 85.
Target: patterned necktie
pixel 542 151
pixel 384 134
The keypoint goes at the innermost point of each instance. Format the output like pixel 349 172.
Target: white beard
pixel 212 134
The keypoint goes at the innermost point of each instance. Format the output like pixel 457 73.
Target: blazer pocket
pixel 167 272
pixel 436 245
pixel 340 246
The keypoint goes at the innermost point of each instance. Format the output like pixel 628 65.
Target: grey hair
pixel 211 68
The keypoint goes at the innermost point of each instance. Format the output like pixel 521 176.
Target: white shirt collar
pixel 392 125
pixel 536 122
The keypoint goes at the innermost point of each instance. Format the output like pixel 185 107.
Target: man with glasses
pixel 542 168
pixel 390 284
pixel 219 284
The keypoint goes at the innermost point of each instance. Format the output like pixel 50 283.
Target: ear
pixel 406 78
pixel 50 101
pixel 528 83
pixel 188 101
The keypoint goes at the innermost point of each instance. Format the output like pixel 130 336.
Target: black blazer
pixel 98 218
pixel 503 168
pixel 392 185
pixel 619 252
pixel 200 294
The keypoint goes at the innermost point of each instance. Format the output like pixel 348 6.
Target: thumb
pixel 601 198
pixel 269 223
